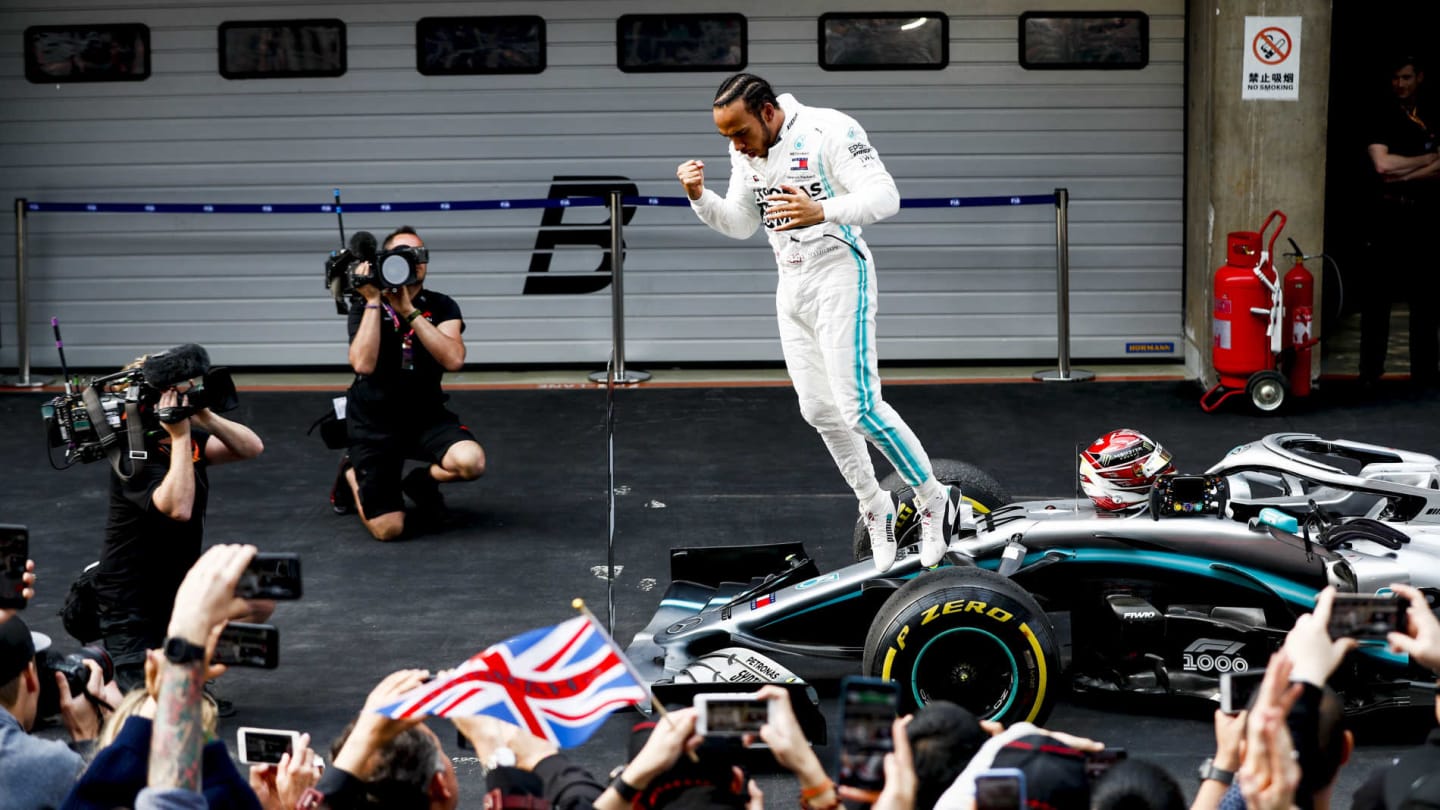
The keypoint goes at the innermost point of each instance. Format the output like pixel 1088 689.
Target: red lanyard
pixel 407 339
pixel 1414 115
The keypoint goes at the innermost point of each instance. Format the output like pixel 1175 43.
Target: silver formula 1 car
pixel 1039 596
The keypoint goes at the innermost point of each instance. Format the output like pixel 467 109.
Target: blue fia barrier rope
pixel 462 205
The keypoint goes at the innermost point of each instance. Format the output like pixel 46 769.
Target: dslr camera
pixel 77 675
pixel 87 419
pixel 389 269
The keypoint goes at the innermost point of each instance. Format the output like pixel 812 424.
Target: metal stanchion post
pixel 22 305
pixel 618 373
pixel 1062 301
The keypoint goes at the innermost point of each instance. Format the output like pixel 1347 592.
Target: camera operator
pixel 402 341
pixel 155 527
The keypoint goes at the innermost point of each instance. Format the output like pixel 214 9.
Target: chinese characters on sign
pixel 1271 68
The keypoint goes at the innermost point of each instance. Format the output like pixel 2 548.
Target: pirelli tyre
pixel 976 486
pixel 969 636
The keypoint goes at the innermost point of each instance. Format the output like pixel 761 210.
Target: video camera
pixel 87 422
pixel 389 269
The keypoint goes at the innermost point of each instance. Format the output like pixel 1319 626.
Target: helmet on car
pixel 1118 469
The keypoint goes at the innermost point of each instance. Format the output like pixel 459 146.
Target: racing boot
pixel 879 516
pixel 937 521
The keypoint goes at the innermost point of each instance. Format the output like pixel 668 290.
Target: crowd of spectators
pixel 156 747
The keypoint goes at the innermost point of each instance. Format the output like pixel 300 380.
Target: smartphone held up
pixel 271 575
pixel 258 746
pixel 243 644
pixel 1238 688
pixel 14 554
pixel 730 715
pixel 1000 789
pixel 1367 616
pixel 868 709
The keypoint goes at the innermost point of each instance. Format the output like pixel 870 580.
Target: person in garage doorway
pixel 1402 149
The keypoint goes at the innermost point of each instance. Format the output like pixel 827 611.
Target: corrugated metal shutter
pixel 956 284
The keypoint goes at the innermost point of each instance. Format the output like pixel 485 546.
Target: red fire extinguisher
pixel 1239 335
pixel 1300 336
pixel 1250 330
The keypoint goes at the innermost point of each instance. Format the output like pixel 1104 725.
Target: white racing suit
pixel 826 296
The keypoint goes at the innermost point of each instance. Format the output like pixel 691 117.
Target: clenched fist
pixel 692 177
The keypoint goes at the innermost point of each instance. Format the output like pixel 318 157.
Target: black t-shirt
pixel 146 553
pixel 398 391
pixel 1405 136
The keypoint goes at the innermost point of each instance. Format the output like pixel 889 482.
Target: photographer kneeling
pixel 402 341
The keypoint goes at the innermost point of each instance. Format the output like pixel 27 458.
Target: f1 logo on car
pixel 1214 655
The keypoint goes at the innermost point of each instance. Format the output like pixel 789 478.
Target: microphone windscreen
pixel 174 366
pixel 363 245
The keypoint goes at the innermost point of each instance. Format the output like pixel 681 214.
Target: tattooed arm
pixel 178 737
pixel 206 599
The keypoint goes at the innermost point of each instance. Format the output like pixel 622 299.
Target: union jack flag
pixel 559 683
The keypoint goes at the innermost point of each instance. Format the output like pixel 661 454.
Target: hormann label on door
pixel 1271 68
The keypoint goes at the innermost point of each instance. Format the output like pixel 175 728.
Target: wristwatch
pixel 1209 772
pixel 180 651
pixel 627 791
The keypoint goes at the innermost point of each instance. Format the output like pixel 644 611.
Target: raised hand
pixel 691 174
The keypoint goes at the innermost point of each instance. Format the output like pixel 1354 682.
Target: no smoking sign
pixel 1271 67
pixel 1272 45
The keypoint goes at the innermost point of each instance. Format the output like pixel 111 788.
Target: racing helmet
pixel 1118 469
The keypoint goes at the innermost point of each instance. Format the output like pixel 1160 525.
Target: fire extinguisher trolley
pixel 1263 323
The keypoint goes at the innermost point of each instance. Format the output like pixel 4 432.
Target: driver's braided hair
pixel 755 91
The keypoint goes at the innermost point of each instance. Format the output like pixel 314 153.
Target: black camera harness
pixel 109 439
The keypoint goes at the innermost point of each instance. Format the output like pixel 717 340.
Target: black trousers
pixel 127 633
pixel 1404 267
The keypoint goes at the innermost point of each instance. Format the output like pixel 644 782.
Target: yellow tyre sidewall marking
pixel 888 668
pixel 1040 661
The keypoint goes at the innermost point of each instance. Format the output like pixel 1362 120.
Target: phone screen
pixel 248 645
pixel 14 553
pixel 734 715
pixel 271 576
pixel 867 709
pixel 1366 616
pixel 1000 789
pixel 1236 689
pixel 260 745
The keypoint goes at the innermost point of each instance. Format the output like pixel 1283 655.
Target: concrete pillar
pixel 1245 158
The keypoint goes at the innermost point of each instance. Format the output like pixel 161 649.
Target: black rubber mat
pixel 694 466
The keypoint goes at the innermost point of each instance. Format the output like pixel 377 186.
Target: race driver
pixel 811 177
